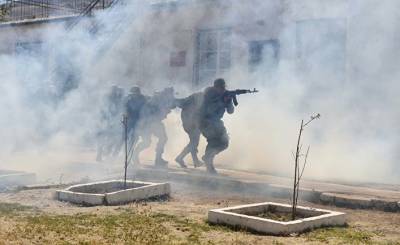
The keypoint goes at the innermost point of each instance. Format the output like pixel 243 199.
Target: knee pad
pixel 224 142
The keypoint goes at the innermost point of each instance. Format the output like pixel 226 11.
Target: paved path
pixel 326 187
pixel 356 190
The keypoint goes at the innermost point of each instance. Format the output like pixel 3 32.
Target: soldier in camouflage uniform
pixel 109 134
pixel 153 113
pixel 190 120
pixel 213 108
pixel 133 108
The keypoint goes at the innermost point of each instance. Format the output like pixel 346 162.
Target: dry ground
pixel 34 217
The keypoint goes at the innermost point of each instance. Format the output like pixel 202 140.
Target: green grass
pixel 126 227
pixel 341 235
pixel 7 209
pixel 129 226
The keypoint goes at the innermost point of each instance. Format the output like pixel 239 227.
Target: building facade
pixel 202 40
pixel 192 42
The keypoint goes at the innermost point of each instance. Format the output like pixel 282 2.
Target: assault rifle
pixel 232 94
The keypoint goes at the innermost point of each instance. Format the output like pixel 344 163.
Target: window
pixel 177 59
pixel 32 60
pixel 213 54
pixel 28 48
pixel 263 55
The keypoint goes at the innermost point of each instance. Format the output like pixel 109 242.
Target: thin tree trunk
pixel 125 122
pixel 296 166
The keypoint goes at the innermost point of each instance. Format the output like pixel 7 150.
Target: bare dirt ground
pixel 35 217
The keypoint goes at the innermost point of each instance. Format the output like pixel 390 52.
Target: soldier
pixel 213 108
pixel 190 121
pixel 133 107
pixel 109 133
pixel 150 123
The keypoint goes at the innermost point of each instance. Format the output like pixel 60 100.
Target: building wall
pixel 25 32
pixel 164 49
pixel 169 32
pixel 279 24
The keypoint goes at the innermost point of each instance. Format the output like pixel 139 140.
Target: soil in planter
pixel 280 216
pixel 103 189
pixel 273 214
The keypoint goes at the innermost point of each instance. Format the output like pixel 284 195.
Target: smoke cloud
pixel 337 58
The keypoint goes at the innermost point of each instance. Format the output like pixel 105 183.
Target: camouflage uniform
pixel 190 121
pixel 211 125
pixel 133 107
pixel 109 134
pixel 150 123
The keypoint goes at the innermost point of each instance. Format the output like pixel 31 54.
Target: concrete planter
pixel 112 192
pixel 245 217
pixel 16 178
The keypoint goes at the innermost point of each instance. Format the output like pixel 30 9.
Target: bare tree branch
pixel 318 116
pixel 304 164
pixel 297 173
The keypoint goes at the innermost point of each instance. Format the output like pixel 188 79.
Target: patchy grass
pixel 196 230
pixel 275 242
pixel 7 209
pixel 126 227
pixel 342 235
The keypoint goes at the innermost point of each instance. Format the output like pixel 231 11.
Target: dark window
pixel 28 48
pixel 263 54
pixel 33 62
pixel 177 59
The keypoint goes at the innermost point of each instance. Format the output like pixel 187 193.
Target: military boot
pixel 196 162
pixel 180 161
pixel 160 162
pixel 208 161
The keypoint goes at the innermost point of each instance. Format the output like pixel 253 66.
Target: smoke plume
pixel 337 58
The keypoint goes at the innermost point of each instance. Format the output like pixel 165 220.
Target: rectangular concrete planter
pixel 243 217
pixel 10 178
pixel 112 192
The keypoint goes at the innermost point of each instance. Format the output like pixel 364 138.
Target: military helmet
pixel 135 90
pixel 116 90
pixel 220 83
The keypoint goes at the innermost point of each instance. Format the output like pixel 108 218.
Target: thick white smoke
pixel 356 138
